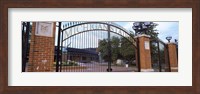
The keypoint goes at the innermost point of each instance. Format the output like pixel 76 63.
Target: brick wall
pixel 145 54
pixel 173 56
pixel 41 56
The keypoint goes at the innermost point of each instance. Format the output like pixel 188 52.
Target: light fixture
pixel 176 40
pixel 168 38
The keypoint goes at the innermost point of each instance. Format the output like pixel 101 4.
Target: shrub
pixel 69 63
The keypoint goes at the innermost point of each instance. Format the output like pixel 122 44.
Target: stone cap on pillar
pixel 171 43
pixel 143 35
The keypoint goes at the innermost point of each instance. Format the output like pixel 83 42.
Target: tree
pixel 115 41
pixel 148 28
pixel 103 48
pixel 127 50
pixel 121 48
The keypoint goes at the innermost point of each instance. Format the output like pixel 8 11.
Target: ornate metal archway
pixel 71 29
pixel 97 26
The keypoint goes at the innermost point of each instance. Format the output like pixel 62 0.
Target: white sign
pixel 146 45
pixel 44 29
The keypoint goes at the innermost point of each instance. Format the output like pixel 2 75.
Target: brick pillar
pixel 41 56
pixel 173 57
pixel 145 53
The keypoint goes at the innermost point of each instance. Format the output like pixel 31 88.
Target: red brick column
pixel 145 53
pixel 41 56
pixel 173 57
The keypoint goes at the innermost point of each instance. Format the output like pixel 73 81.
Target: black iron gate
pixel 99 49
pixel 159 56
pixel 26 30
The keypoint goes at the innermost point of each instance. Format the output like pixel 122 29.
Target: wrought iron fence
pixel 99 49
pixel 26 32
pixel 159 56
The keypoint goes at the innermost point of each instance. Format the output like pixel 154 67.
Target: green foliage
pixel 155 54
pixel 103 48
pixel 125 51
pixel 69 63
pixel 115 48
pixel 150 30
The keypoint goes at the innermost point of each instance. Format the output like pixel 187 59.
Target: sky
pixel 164 29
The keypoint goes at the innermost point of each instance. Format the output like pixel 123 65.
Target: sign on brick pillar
pixel 42 46
pixel 145 53
pixel 173 57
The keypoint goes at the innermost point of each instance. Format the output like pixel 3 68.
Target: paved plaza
pixel 97 67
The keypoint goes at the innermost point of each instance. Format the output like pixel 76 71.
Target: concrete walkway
pixel 97 67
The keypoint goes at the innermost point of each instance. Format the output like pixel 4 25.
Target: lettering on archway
pixel 97 26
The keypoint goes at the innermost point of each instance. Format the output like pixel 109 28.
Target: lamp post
pixel 176 41
pixel 168 38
